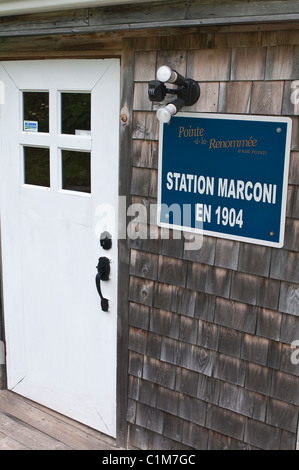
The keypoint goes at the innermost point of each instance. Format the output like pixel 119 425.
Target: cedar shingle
pixel 172 246
pixel 274 354
pixel 262 435
pixel 218 281
pixel 165 323
pixel 279 63
pixel 183 301
pixel 209 65
pixel 284 387
pixel 196 276
pixel 291 235
pixel 195 436
pixel 225 422
pixel 167 400
pixel 289 328
pixel 227 253
pixel 163 296
pixel 141 101
pixel 288 440
pixel 267 293
pixel 145 125
pixel 289 298
pixel 285 265
pixel 145 154
pixel 145 66
pixel 144 264
pixel 243 401
pixel 282 415
pixel 254 259
pixel 230 369
pixel 153 348
pixel 248 63
pixel 137 340
pixel 172 351
pixel 255 349
pixel 207 335
pixel 229 341
pixel 192 409
pixel 135 364
pixel 296 202
pixel 262 101
pixel 173 427
pixel 294 168
pixel 139 315
pixel 172 271
pixel 131 411
pixel 205 306
pixel 208 102
pixel 290 200
pixel 134 387
pixel 244 288
pixel 149 418
pixel 159 372
pixel 268 324
pixel 236 315
pixel 141 291
pixel 188 329
pixel 139 438
pixel 200 359
pixel 205 254
pixel 186 381
pixel 208 389
pixel 235 97
pixel 218 441
pixel 258 378
pixel 148 393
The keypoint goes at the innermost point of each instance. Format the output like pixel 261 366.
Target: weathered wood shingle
pixel 218 321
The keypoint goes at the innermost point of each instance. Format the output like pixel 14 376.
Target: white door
pixel 58 164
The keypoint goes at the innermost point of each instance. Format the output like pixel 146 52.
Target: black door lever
pixel 103 268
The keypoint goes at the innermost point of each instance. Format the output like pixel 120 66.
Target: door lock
pixel 105 241
pixel 103 268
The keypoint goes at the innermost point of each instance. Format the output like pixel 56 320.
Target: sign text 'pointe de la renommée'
pixel 225 176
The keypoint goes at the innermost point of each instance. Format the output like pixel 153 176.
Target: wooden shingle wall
pixel 210 331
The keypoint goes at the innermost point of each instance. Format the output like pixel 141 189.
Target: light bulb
pixel 164 114
pixel 165 74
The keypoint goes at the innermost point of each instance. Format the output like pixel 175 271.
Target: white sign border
pixel 239 117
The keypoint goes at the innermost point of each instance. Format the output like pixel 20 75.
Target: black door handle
pixel 103 268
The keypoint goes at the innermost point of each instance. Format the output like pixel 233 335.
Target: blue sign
pixel 225 176
pixel 30 126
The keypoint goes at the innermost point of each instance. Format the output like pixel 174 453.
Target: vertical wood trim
pixel 125 151
pixel 3 373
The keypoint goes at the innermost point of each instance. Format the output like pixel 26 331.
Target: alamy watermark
pixel 295 92
pixel 295 353
pixel 139 221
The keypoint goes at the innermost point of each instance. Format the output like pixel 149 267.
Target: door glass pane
pixel 37 166
pixel 75 113
pixel 76 171
pixel 36 111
